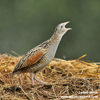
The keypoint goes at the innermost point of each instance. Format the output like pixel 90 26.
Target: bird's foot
pixel 41 81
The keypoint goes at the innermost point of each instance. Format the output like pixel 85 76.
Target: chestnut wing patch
pixel 27 61
pixel 33 59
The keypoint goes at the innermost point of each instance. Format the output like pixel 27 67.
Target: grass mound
pixel 66 79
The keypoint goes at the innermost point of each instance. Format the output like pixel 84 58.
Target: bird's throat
pixel 56 37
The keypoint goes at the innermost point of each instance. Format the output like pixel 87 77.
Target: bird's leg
pixel 38 79
pixel 31 74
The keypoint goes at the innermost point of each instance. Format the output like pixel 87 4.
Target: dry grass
pixel 66 79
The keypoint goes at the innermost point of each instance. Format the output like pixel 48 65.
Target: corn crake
pixel 40 56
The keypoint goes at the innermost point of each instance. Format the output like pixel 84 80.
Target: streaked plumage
pixel 40 56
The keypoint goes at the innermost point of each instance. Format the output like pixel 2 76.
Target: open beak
pixel 65 23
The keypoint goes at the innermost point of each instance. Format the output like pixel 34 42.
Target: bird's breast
pixel 52 51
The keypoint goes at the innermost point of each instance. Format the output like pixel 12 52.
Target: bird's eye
pixel 61 26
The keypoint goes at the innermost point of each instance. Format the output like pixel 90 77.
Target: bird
pixel 40 56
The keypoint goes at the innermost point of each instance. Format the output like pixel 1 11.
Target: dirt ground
pixel 66 79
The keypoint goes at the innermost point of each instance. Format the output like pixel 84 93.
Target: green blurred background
pixel 27 23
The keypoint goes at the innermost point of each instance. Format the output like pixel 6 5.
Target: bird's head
pixel 61 29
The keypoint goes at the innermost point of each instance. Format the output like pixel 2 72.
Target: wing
pixel 31 58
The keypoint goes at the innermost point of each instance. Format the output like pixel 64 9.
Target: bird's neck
pixel 56 38
pixel 54 42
